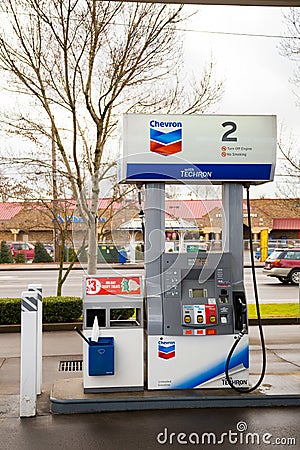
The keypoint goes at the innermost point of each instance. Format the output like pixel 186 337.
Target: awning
pixel 135 224
pixel 286 224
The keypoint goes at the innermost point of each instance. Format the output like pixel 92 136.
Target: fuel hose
pixel 259 321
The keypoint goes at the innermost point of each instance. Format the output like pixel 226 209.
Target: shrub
pixel 10 311
pixel 5 255
pixel 55 309
pixel 20 258
pixel 121 314
pixel 61 309
pixel 72 256
pixel 41 254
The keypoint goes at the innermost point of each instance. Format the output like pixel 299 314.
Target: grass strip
pixel 268 310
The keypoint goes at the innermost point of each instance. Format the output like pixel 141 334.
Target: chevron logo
pixel 166 350
pixel 165 137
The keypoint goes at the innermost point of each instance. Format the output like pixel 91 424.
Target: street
pixel 14 282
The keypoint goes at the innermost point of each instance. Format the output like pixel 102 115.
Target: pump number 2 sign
pixel 113 286
pixel 198 148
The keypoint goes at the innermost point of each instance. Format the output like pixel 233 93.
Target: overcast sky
pixel 256 75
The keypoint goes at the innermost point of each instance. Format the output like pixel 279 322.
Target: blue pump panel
pixel 101 357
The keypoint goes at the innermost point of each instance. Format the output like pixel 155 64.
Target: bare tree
pixel 83 63
pixel 11 188
pixel 288 145
pixel 290 44
pixel 33 191
pixel 289 169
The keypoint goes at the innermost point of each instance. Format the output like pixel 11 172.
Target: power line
pixel 272 36
pixel 230 33
pixel 187 30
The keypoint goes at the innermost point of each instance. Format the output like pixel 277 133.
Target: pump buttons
pixel 187 318
pixel 224 318
pixel 200 319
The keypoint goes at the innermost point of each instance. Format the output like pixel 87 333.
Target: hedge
pixel 55 310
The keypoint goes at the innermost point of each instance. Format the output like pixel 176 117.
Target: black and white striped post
pixel 29 303
pixel 38 288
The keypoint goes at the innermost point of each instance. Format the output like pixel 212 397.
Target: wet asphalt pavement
pixel 229 428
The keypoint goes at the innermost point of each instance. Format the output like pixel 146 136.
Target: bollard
pixel 28 354
pixel 38 288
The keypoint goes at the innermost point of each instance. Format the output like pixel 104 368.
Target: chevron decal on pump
pixel 166 349
pixel 165 137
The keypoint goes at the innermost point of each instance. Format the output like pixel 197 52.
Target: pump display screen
pixel 196 262
pixel 197 293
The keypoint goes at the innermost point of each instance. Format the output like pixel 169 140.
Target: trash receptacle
pixel 122 256
pixel 101 357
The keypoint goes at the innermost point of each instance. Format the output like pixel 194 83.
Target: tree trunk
pixel 93 250
pixel 60 279
pixel 93 227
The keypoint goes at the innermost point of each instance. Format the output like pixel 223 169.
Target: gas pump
pixel 195 303
pixel 200 319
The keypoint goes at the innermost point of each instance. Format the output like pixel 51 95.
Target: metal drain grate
pixel 70 366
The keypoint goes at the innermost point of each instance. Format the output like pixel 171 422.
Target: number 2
pixel 233 128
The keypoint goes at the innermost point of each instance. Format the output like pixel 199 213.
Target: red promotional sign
pixel 113 286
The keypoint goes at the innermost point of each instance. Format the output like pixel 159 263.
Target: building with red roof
pixel 32 221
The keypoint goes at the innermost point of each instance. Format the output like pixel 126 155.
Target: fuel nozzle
pixel 240 311
pixel 243 316
pixel 243 331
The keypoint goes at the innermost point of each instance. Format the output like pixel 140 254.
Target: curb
pixel 77 266
pixel 277 321
pixel 133 402
pixel 46 327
